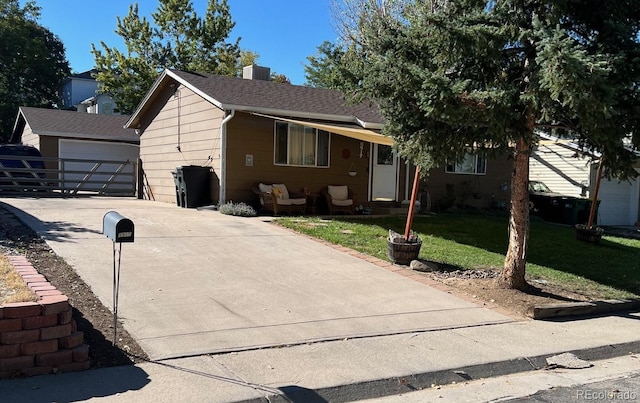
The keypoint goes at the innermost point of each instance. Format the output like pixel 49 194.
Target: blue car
pixel 20 161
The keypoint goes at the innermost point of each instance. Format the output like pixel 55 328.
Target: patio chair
pixel 277 199
pixel 340 198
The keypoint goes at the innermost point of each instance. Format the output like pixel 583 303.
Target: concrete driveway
pixel 197 281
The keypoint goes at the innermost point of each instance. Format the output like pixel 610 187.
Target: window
pixel 473 164
pixel 301 146
pixel 385 155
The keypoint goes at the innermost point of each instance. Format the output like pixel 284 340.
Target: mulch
pixel 92 317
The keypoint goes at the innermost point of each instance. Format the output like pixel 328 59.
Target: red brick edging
pixel 38 338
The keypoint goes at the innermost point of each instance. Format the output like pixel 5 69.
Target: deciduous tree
pixel 32 62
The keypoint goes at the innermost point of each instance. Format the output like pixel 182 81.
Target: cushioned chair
pixel 340 199
pixel 277 199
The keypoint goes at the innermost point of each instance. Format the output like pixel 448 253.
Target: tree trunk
pixel 512 275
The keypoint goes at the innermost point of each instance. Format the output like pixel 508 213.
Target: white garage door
pixel 102 161
pixel 618 202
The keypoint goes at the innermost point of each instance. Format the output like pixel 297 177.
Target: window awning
pixel 355 133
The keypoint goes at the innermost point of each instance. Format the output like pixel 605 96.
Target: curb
pixel 560 310
pixel 411 383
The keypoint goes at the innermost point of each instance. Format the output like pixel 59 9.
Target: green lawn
pixel 475 241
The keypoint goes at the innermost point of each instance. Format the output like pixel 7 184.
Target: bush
pixel 238 209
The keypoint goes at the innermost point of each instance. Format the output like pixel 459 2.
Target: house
pixel 80 92
pixel 101 103
pixel 65 135
pixel 250 130
pixel 565 168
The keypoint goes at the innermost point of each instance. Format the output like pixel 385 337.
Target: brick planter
pixel 38 338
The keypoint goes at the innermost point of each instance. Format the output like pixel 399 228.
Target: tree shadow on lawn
pixel 614 262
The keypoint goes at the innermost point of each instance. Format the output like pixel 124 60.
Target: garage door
pixel 618 202
pixel 89 165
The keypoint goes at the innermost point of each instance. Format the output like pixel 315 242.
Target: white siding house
pixel 564 169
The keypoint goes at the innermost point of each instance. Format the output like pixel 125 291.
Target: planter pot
pixel 588 235
pixel 403 252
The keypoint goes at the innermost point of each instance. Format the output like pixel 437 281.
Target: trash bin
pixel 192 185
pixel 569 210
pixel 179 183
pixel 584 209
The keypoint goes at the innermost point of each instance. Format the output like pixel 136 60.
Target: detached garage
pixel 87 149
pixel 619 201
pixel 564 167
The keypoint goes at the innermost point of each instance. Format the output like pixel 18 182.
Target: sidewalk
pixel 369 332
pixel 344 370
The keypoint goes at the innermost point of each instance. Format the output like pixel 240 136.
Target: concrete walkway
pixel 198 282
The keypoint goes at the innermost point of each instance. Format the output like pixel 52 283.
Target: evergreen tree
pixel 180 39
pixel 482 76
pixel 32 63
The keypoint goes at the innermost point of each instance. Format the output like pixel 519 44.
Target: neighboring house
pixel 477 181
pixel 102 104
pixel 80 92
pixel 566 169
pixel 249 130
pixel 72 135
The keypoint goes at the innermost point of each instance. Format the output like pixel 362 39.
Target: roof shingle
pixel 77 124
pixel 258 94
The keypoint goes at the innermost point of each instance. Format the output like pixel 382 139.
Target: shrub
pixel 238 209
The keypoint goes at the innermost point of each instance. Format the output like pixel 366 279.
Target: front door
pixel 384 173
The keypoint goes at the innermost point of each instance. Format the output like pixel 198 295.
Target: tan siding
pixel 559 168
pixel 197 137
pixel 253 135
pixel 474 190
pixel 29 138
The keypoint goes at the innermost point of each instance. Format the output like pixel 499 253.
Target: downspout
pixel 223 157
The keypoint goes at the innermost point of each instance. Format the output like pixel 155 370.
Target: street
pixel 616 379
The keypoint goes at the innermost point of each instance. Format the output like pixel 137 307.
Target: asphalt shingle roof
pixel 69 123
pixel 286 97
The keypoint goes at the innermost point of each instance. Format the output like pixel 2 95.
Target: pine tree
pixel 180 39
pixel 483 76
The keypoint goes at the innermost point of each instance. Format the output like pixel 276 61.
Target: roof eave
pixel 303 115
pixel 87 136
pixel 134 120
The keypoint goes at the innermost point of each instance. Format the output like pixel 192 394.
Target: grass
pixel 479 241
pixel 12 286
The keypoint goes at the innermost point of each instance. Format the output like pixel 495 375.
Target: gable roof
pixel 266 97
pixel 62 123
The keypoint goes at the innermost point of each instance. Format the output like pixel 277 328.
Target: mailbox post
pixel 119 229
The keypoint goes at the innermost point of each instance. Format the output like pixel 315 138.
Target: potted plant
pixel 401 249
pixel 591 234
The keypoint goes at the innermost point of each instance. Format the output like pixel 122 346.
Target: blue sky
pixel 282 32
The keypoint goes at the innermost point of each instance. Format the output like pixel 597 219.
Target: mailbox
pixel 117 228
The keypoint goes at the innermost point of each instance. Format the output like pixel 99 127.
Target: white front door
pixel 384 173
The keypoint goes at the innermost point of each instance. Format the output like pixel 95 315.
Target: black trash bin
pixel 584 209
pixel 179 182
pixel 192 186
pixel 570 208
